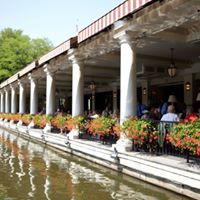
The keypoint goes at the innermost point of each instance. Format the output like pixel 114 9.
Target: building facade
pixel 142 50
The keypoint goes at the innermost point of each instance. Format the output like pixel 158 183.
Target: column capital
pixel 125 37
pixel 75 57
pixel 33 77
pixel 21 83
pixel 48 69
pixel 22 80
pixel 6 89
pixel 13 86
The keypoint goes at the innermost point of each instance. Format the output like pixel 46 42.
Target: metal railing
pixel 165 146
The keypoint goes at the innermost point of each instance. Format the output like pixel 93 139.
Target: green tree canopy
pixel 18 50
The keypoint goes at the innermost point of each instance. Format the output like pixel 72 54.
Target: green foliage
pixel 4 73
pixel 18 50
pixel 41 120
pixel 48 118
pixel 39 47
pixel 76 122
pixel 26 119
pixel 142 132
pixel 60 121
pixel 38 121
pixel 101 125
pixel 187 136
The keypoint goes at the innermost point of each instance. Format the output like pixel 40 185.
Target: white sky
pixel 53 19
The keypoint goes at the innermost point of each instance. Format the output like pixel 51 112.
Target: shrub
pixel 77 122
pixel 101 125
pixel 186 136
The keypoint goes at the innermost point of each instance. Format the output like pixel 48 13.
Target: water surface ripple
pixel 33 171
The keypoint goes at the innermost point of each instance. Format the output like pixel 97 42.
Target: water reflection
pixel 31 177
pixel 31 171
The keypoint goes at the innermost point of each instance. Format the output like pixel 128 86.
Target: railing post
pixel 187 155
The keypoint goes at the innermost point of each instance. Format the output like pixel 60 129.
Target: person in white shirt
pixel 170 116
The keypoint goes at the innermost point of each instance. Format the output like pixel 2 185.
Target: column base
pixel 47 128
pixel 123 145
pixel 73 134
pixel 31 125
pixel 1 121
pixel 20 123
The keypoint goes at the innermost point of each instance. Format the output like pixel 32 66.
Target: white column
pixel 22 98
pixel 33 95
pixel 77 89
pixel 115 101
pixel 7 100
pixel 13 99
pixel 50 91
pixel 128 89
pixel 2 102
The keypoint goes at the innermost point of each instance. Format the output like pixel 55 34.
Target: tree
pixel 18 50
pixel 40 46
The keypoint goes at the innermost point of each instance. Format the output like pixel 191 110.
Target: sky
pixel 57 20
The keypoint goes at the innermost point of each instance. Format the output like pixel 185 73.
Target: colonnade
pixel 128 93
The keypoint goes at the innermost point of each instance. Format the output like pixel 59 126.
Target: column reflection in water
pixel 45 174
pixel 21 161
pixel 116 190
pixel 32 149
pixel 47 182
pixel 38 170
pixel 31 177
pixel 14 148
pixel 6 149
pixel 11 163
pixel 21 173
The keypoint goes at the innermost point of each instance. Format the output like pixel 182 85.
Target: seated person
pixel 164 107
pixel 170 116
pixel 58 111
pixel 140 108
pixel 145 114
pixel 154 113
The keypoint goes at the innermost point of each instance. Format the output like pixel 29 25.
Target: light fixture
pixel 187 86
pixel 172 99
pixel 144 91
pixel 172 68
pixel 198 97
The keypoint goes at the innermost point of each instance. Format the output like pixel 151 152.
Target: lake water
pixel 33 171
